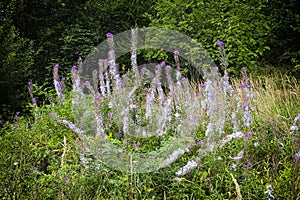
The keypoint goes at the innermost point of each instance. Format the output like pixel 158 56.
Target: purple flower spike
pixel 202 85
pixel 59 84
pixel 17 113
pixel 220 43
pixel 63 79
pixel 56 65
pixel 243 85
pixel 143 70
pixel 33 100
pixel 216 68
pixel 244 106
pixel 109 35
pixel 176 52
pixel 168 67
pixel 163 63
pixel 30 83
pixel 207 179
pixel 74 69
pixel 97 97
pixel 200 143
pixel 79 59
pixel 121 84
pixel 1 122
pixel 85 83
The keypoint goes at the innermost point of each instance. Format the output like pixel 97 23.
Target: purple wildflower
pixel 79 59
pixel 110 114
pixel 85 83
pixel 120 83
pixel 17 113
pixel 74 69
pixel 59 84
pixel 220 43
pixel 163 63
pixel 33 100
pixel 243 85
pixel 244 106
pixel 202 85
pixel 29 83
pixel 297 156
pixel 63 79
pixel 200 143
pixel 1 122
pixel 143 70
pixel 168 67
pixel 97 97
pixel 109 35
pixel 216 68
pixel 207 179
pixel 176 52
pixel 35 169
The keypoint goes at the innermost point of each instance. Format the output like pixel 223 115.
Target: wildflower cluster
pixel 142 104
pixel 154 101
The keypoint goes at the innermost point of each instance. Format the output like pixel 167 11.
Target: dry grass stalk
pixel 237 187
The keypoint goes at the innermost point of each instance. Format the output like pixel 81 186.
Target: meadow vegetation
pixel 40 158
pixel 244 144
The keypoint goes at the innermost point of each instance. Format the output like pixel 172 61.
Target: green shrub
pixel 241 25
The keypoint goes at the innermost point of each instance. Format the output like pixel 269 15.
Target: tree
pixel 240 24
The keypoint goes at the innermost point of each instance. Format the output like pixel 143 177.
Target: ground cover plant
pixel 250 151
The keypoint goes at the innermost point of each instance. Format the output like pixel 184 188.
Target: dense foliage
pixel 241 25
pixel 39 157
pixel 254 32
pixel 35 35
